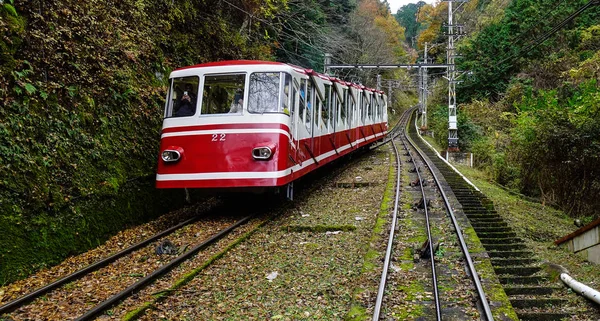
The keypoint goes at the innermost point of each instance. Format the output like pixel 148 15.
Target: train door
pixel 338 94
pixel 385 111
pixel 294 120
pixel 311 105
pixel 359 116
pixel 323 141
pixel 370 113
pixel 352 113
pixel 364 128
pixel 304 121
pixel 342 125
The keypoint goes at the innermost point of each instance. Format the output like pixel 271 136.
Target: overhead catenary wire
pixel 254 35
pixel 539 20
pixel 286 35
pixel 524 33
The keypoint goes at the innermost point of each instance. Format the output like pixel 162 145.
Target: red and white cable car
pixel 257 124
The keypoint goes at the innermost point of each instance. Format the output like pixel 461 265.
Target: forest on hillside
pixel 530 110
pixel 82 87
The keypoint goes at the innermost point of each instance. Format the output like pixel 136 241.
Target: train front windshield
pixel 268 92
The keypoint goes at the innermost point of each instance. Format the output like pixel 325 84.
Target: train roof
pixel 234 63
pixel 306 71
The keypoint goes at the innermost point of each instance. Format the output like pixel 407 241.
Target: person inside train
pixel 238 102
pixel 187 103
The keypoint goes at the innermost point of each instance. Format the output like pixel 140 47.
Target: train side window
pixel 365 104
pixel 302 103
pixel 369 107
pixel 310 105
pixel 182 97
pixel 350 107
pixel 372 106
pixel 358 107
pixel 223 94
pixel 343 107
pixel 378 110
pixel 334 110
pixel 355 109
pixel 287 100
pixel 268 93
pixel 325 109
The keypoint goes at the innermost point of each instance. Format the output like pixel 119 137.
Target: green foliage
pixel 82 87
pixel 351 31
pixel 407 18
pixel 309 19
pixel 530 114
pixel 500 50
pixel 12 28
pixel 468 132
pixel 530 111
pixel 590 38
pixel 10 9
pixel 558 143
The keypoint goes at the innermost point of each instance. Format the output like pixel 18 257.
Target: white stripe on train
pixel 250 175
pixel 227 131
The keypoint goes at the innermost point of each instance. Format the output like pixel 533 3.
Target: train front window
pixel 183 97
pixel 223 94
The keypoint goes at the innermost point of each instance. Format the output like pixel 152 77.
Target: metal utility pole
pixel 425 91
pixel 327 63
pixel 453 32
pixel 420 89
pixel 389 93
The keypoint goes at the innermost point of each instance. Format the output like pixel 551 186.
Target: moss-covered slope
pixel 81 91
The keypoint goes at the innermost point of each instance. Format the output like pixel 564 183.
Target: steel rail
pixel 393 132
pixel 336 172
pixel 463 245
pixel 160 271
pixel 14 304
pixel 438 308
pixel 388 253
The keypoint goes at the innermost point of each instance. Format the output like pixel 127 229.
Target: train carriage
pixel 257 124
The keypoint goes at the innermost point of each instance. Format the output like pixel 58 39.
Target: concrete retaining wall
pixel 585 242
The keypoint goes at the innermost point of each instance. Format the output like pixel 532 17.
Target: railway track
pixel 526 285
pixel 105 283
pixel 438 224
pixel 27 298
pixel 93 290
pixel 445 308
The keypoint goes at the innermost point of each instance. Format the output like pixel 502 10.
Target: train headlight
pixel 262 153
pixel 170 156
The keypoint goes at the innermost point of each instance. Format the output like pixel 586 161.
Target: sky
pixel 396 4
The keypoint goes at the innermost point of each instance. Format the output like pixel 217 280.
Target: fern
pixel 10 9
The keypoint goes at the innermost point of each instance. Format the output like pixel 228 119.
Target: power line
pixel 274 27
pixel 551 32
pixel 539 21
